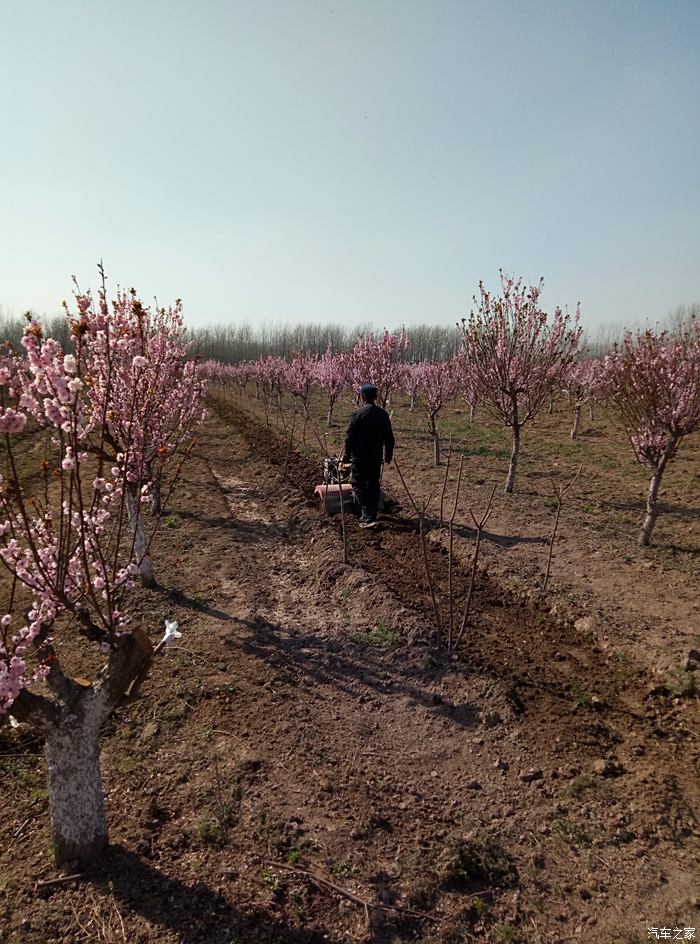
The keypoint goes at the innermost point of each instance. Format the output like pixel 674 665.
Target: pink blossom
pixel 11 421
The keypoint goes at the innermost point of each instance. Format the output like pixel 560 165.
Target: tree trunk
pixel 76 801
pixel 577 422
pixel 436 440
pixel 514 456
pixel 156 499
pixel 652 498
pixel 140 540
pixel 551 404
pixel 329 416
pixel 590 411
pixel 472 408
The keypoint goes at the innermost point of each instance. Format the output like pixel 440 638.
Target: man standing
pixel 369 439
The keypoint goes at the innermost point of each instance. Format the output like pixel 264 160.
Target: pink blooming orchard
pixel 372 360
pixel 654 381
pixel 515 354
pixel 379 362
pixel 229 376
pixel 114 412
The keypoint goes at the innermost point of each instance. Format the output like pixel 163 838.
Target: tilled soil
pixel 307 765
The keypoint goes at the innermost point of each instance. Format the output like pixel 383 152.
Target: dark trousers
pixel 365 487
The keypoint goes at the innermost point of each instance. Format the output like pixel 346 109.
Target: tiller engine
pixel 336 474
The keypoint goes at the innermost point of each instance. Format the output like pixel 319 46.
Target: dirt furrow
pixel 529 792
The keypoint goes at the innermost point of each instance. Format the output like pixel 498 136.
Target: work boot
pixel 368 523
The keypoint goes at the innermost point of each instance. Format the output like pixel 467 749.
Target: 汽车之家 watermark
pixel 672 934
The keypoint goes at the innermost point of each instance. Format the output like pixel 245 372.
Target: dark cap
pixel 368 390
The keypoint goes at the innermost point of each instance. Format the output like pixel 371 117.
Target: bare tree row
pixel 236 342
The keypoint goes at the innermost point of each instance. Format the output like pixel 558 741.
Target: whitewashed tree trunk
pixel 653 496
pixel 515 452
pixel 436 440
pixel 577 422
pixel 70 723
pixel 76 799
pixel 514 456
pixel 140 540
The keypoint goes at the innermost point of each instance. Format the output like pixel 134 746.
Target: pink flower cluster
pixel 145 395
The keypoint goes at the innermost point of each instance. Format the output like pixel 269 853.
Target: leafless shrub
pixel 560 492
pixel 479 524
pixel 450 594
pixel 422 512
pixel 444 481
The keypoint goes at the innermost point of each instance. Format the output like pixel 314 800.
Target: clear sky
pixel 351 161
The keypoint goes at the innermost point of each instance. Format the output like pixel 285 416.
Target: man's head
pixel 368 392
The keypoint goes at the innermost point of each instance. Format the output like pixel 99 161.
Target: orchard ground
pixel 306 733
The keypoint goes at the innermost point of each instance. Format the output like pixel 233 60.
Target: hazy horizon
pixel 352 162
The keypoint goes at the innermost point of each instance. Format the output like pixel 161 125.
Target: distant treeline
pixel 232 343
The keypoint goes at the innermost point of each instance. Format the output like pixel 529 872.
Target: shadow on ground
pixel 195 912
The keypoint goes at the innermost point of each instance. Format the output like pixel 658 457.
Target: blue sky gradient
pixel 352 161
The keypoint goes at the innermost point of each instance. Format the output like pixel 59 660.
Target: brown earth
pixel 306 765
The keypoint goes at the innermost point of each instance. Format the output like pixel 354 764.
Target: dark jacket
pixel 369 436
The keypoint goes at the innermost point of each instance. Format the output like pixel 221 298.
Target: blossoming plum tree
pixel 439 382
pixel 517 355
pixel 412 383
pixel 654 381
pixel 331 375
pixel 142 391
pixel 300 377
pixel 582 383
pixel 270 374
pixel 71 560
